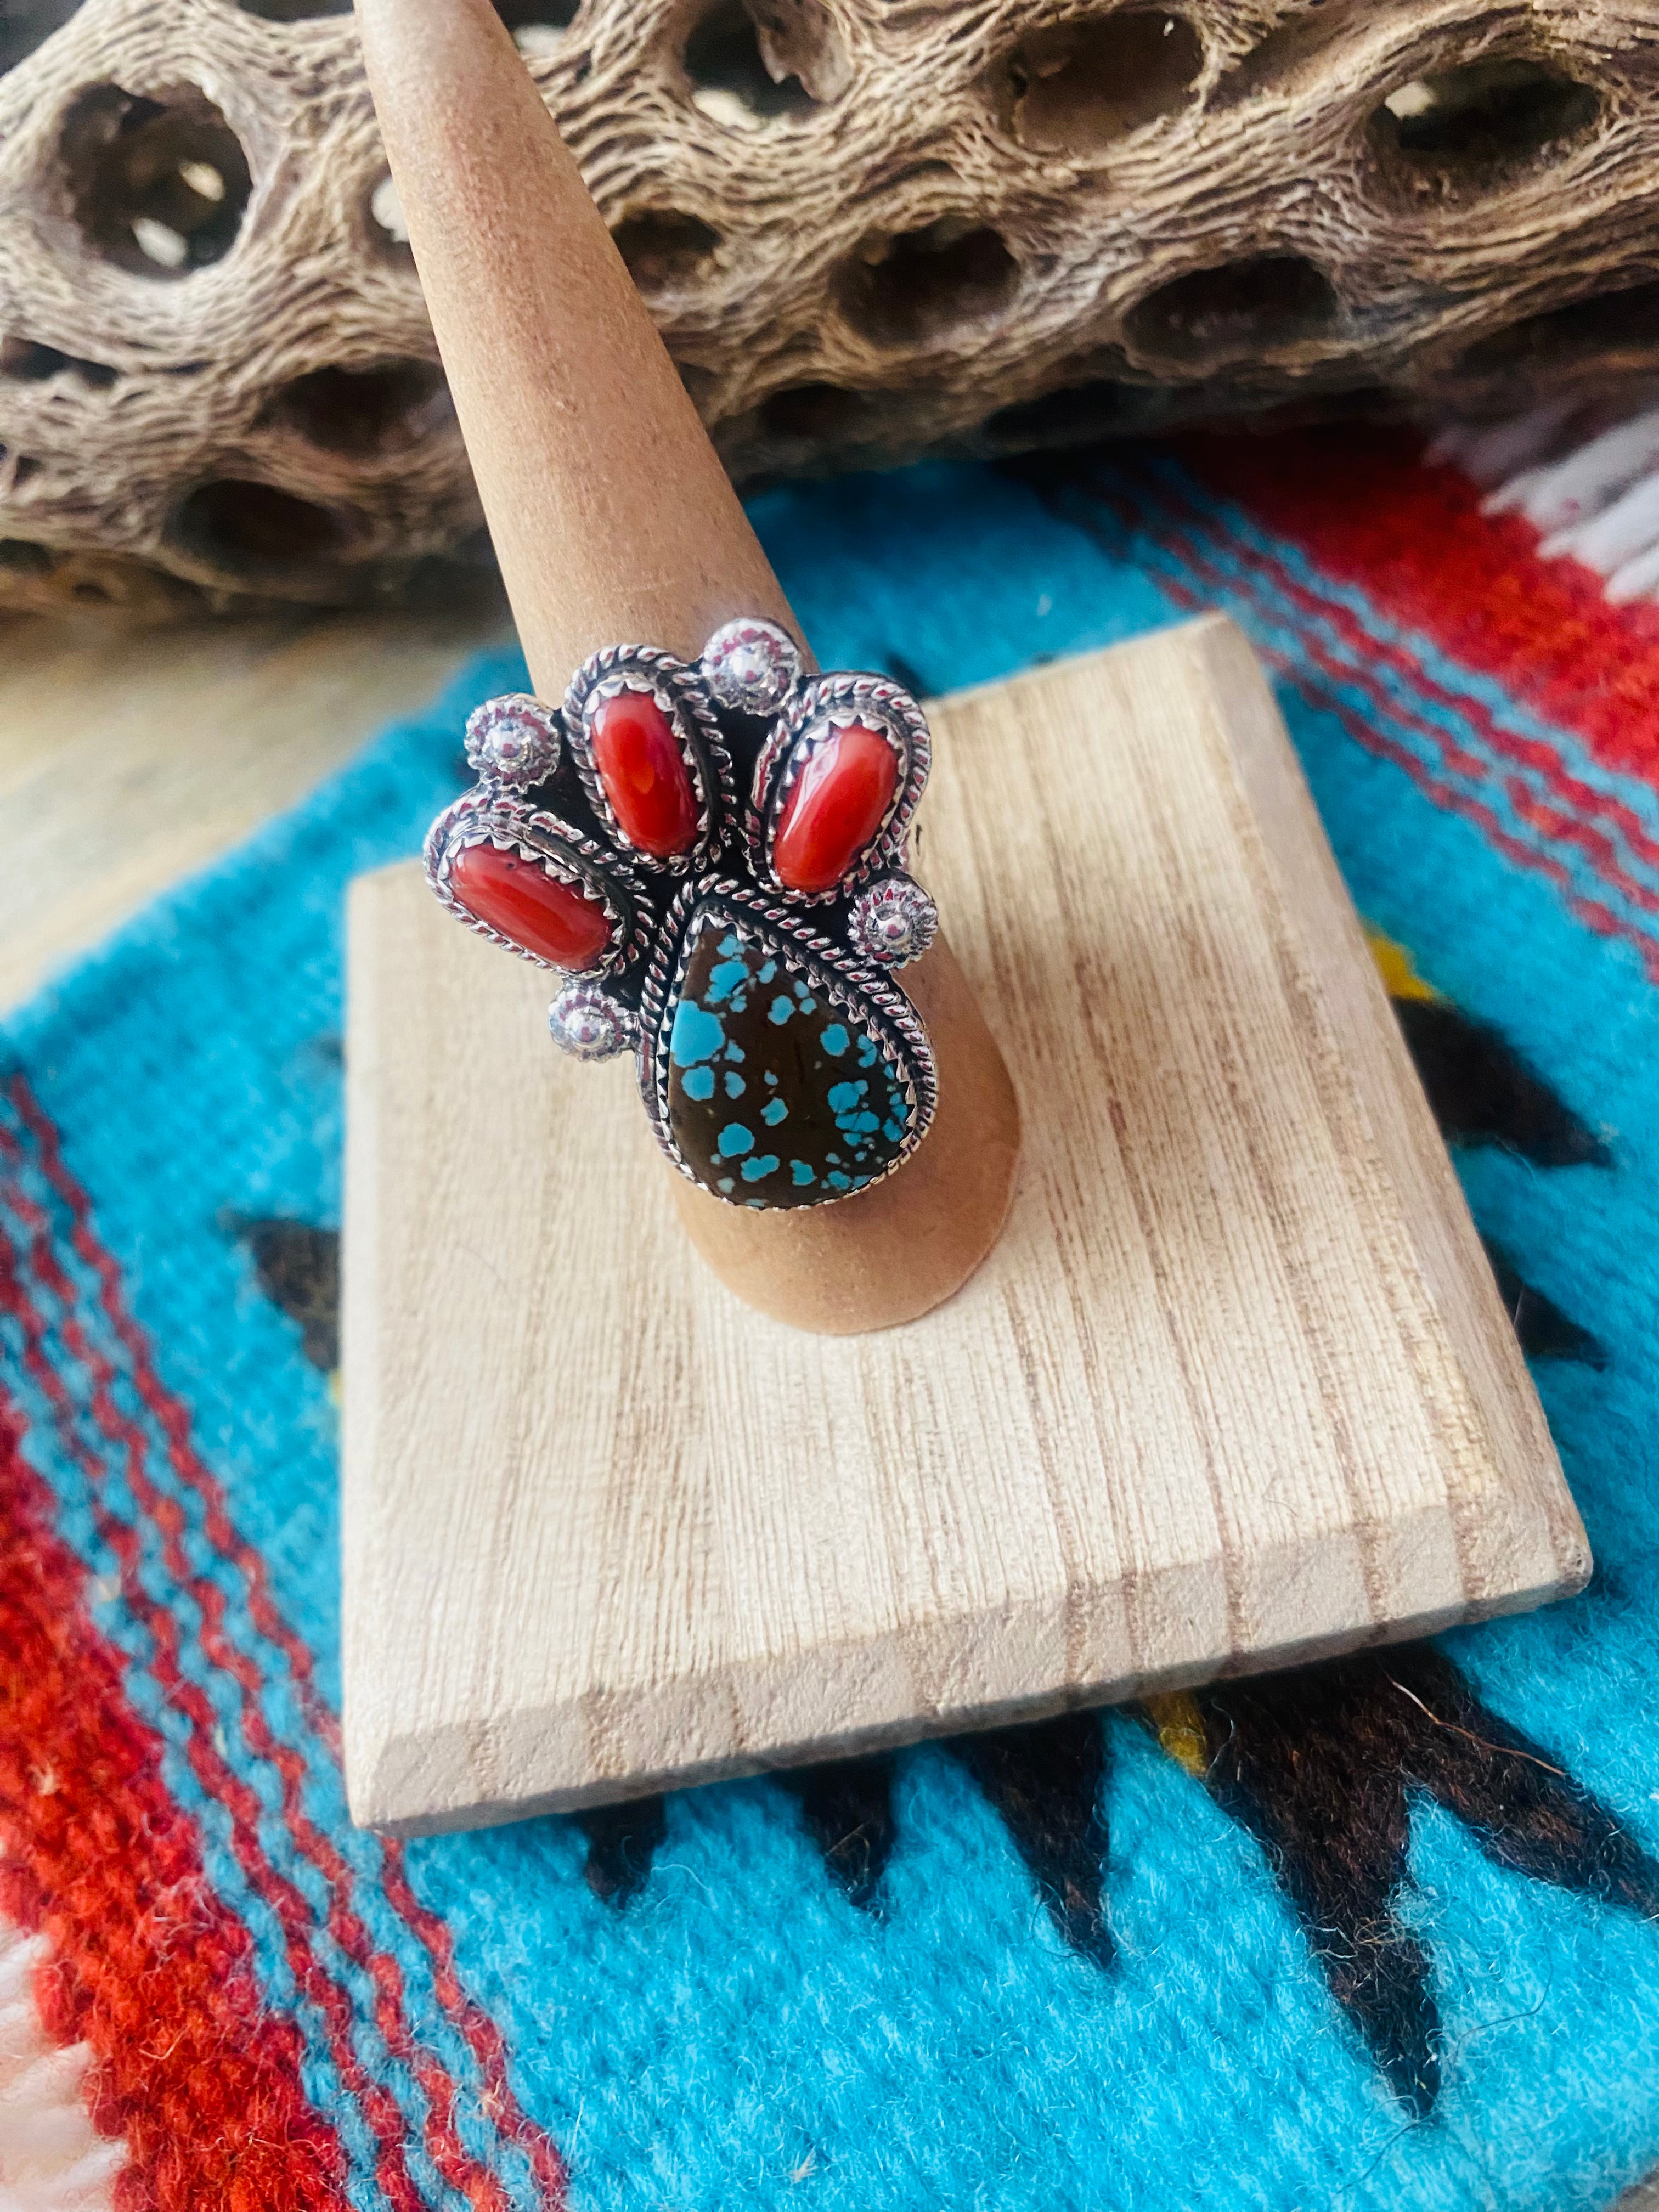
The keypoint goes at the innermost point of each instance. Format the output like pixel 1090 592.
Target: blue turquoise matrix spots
pixel 768 1077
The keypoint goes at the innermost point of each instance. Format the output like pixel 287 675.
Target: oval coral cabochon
pixel 557 921
pixel 637 759
pixel 777 1096
pixel 837 803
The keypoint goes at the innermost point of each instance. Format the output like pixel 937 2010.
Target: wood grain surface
pixel 1234 1388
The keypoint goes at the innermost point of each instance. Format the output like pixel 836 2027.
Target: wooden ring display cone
pixel 612 519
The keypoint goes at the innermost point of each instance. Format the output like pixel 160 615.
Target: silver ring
pixel 711 858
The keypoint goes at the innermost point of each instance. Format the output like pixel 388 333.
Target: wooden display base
pixel 1235 1388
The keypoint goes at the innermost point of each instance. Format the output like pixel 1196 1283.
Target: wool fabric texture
pixel 1380 1934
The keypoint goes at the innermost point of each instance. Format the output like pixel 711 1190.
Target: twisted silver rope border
pixel 868 996
pixel 820 705
pixel 682 695
pixel 481 816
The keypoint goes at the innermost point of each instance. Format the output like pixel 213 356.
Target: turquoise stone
pixel 777 1096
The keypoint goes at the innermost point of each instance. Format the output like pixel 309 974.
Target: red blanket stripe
pixel 165 1514
pixel 148 1967
pixel 212 1773
pixel 1452 797
pixel 1371 512
pixel 1582 803
pixel 479 2030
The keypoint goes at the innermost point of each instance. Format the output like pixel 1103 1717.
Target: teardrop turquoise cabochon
pixel 775 1093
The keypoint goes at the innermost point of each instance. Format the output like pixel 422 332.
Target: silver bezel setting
pixel 868 999
pixel 744 699
pixel 751 664
pixel 513 742
pixel 483 817
pixel 893 922
pixel 679 692
pixel 822 706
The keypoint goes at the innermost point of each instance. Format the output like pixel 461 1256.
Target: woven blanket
pixel 1380 1933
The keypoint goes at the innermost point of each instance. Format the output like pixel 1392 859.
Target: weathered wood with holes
pixel 867 229
pixel 1236 1386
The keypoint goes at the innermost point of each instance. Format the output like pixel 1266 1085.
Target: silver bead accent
pixel 589 1024
pixel 513 741
pixel 752 665
pixel 895 920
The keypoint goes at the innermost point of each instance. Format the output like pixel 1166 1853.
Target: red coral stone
pixel 837 806
pixel 644 776
pixel 535 909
